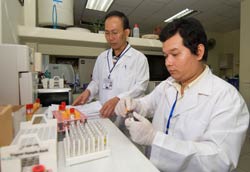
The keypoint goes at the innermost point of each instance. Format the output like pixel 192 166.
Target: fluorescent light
pixel 181 14
pixel 99 5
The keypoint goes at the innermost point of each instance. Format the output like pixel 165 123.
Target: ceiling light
pixel 99 5
pixel 181 14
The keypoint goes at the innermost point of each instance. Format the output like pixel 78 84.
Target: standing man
pixel 120 71
pixel 199 120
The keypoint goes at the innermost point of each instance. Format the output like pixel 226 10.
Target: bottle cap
pixel 72 110
pixel 63 103
pixel 29 106
pixel 61 108
pixel 38 168
pixel 136 25
pixel 37 100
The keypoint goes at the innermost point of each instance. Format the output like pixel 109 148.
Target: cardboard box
pixel 6 125
pixel 10 118
pixel 18 116
pixel 34 144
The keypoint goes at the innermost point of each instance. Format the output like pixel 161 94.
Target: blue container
pixel 234 82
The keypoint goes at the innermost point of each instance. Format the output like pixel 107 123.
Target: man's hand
pixel 125 106
pixel 108 108
pixel 82 99
pixel 141 131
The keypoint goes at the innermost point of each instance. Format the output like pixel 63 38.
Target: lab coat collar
pixel 202 87
pixel 127 54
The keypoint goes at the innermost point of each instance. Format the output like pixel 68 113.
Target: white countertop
pixel 125 156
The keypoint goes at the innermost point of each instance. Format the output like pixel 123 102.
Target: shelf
pixel 50 36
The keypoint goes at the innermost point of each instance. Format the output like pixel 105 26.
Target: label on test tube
pixel 72 113
pixel 29 111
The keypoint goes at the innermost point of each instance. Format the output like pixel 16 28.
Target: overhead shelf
pixel 41 35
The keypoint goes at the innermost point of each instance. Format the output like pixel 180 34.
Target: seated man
pixel 199 120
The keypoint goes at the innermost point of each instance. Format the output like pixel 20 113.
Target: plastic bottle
pixel 77 115
pixel 72 114
pixel 36 105
pixel 61 108
pixel 29 111
pixel 64 117
pixel 63 104
pixel 136 31
pixel 63 112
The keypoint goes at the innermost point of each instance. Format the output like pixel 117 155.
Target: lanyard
pixel 124 51
pixel 171 113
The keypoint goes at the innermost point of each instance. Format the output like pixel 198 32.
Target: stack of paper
pixel 91 110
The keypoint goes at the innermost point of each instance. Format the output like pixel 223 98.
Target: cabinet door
pixel 86 66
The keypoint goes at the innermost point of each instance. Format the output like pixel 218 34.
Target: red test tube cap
pixel 72 110
pixel 38 168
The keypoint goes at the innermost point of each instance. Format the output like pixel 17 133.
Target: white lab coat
pixel 130 76
pixel 207 129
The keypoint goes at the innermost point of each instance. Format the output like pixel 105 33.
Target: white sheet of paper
pixel 91 109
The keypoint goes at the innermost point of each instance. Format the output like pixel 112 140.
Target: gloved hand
pixel 124 106
pixel 141 131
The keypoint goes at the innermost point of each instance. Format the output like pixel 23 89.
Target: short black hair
pixel 191 31
pixel 121 15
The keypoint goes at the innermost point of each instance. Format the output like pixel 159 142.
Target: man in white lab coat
pixel 120 71
pixel 199 120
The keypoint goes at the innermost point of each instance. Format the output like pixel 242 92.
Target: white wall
pixel 11 16
pixel 226 43
pixel 214 54
pixel 1 21
pixel 231 45
pixel 245 51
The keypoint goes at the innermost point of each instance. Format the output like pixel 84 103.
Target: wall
pixel 226 43
pixel 11 16
pixel 231 45
pixel 214 54
pixel 244 51
pixel 1 21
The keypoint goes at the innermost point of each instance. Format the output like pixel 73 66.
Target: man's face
pixel 115 35
pixel 182 65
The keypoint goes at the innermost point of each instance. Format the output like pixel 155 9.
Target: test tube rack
pixel 35 143
pixel 64 123
pixel 85 142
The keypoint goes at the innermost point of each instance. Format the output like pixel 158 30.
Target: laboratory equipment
pixel 60 10
pixel 66 116
pixel 34 144
pixel 157 68
pixel 56 82
pixel 136 31
pixel 54 96
pixel 85 142
pixel 18 81
pixel 64 71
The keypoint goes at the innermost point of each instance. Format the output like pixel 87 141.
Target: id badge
pixel 107 84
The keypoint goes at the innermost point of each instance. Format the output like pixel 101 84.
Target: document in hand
pixel 91 110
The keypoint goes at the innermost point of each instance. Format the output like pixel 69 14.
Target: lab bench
pixel 125 156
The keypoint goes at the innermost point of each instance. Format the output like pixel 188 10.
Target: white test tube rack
pixel 85 142
pixel 34 143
